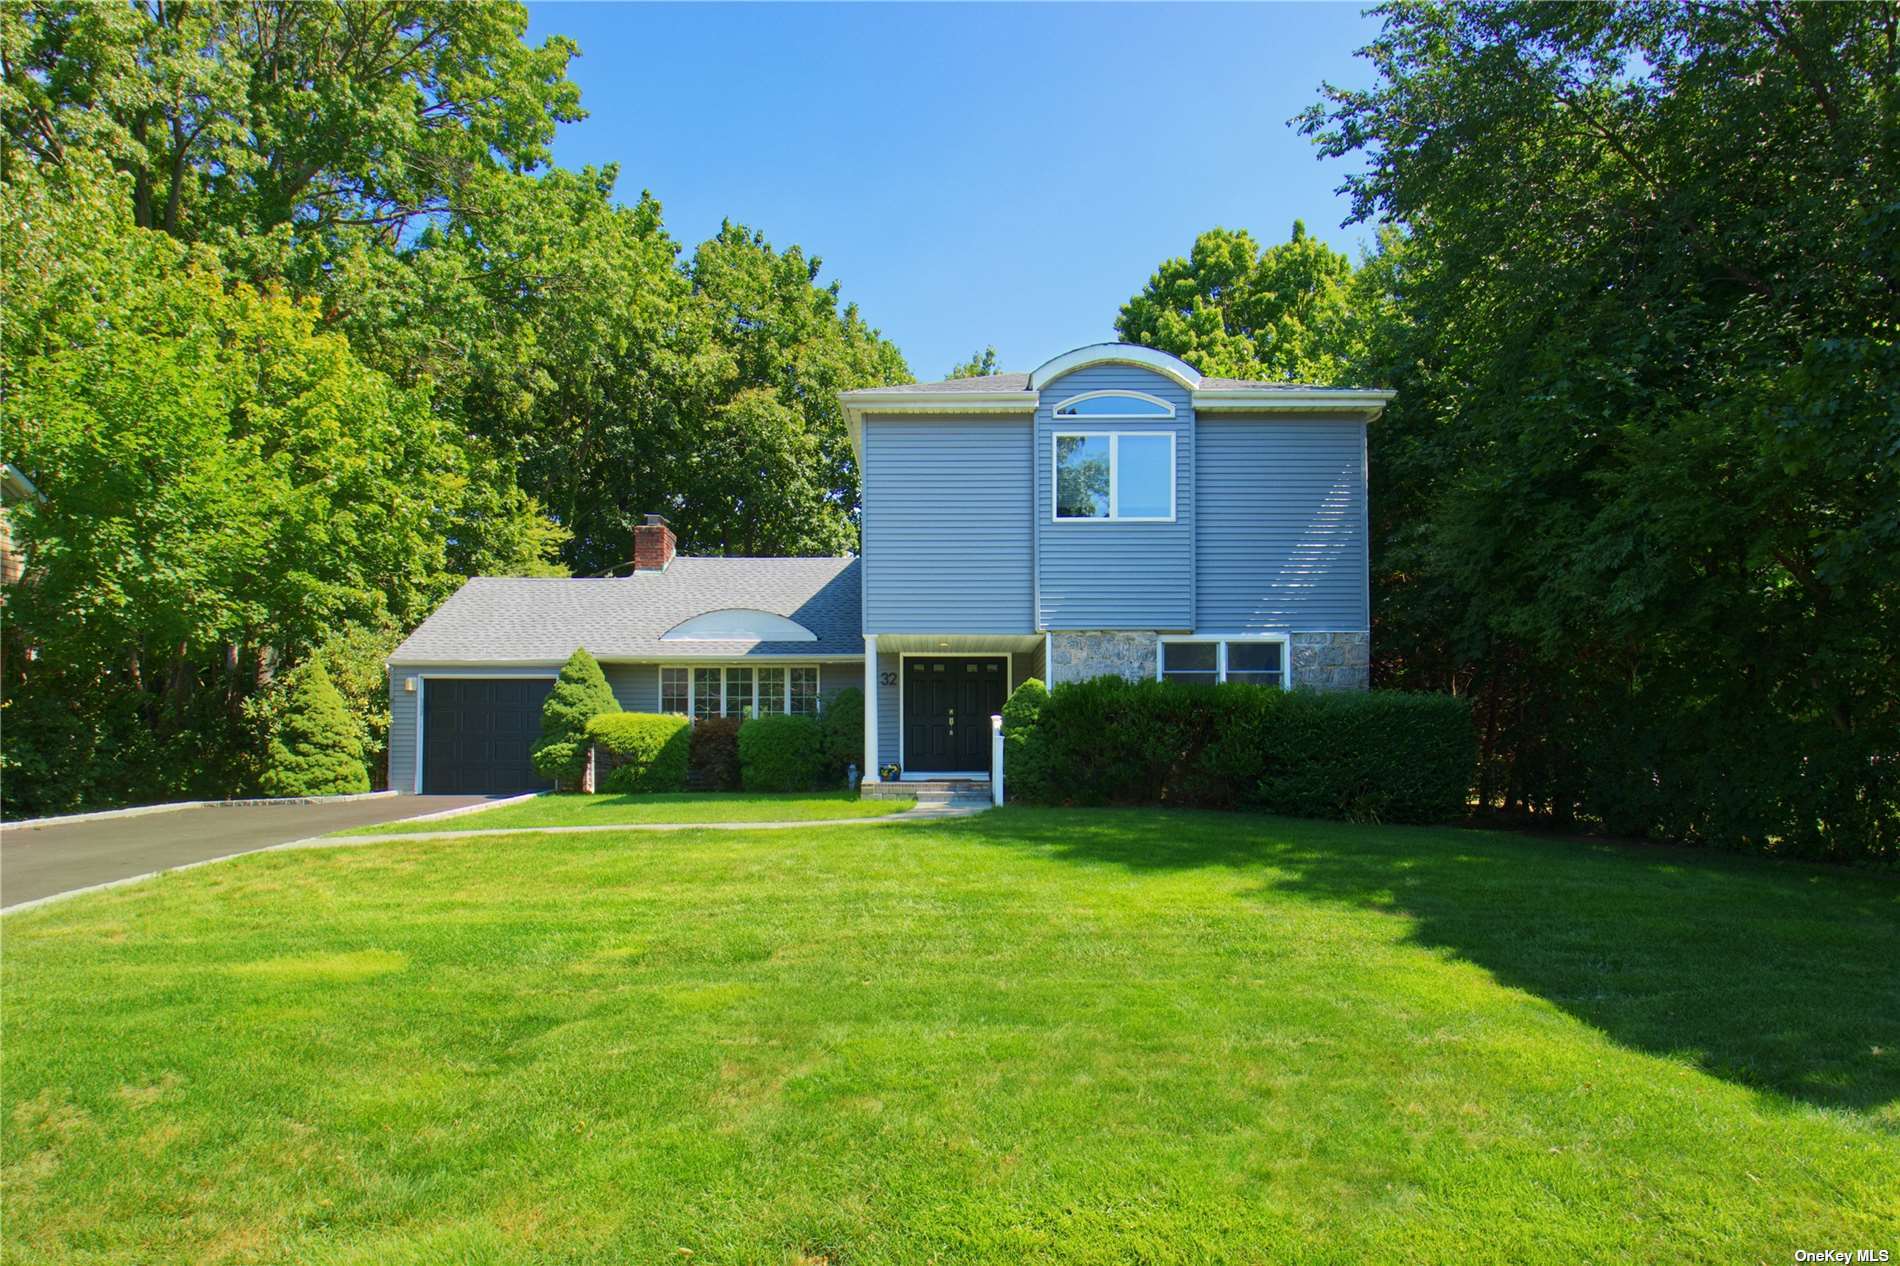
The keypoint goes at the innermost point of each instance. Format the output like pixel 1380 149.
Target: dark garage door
pixel 476 734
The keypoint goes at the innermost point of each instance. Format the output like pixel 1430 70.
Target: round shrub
pixel 315 748
pixel 641 751
pixel 580 694
pixel 781 753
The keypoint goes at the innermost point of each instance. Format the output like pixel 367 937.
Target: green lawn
pixel 685 806
pixel 1026 1036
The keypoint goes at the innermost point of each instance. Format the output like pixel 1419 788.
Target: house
pixel 1111 512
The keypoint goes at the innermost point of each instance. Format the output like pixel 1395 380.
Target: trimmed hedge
pixel 714 758
pixel 1381 756
pixel 781 753
pixel 644 751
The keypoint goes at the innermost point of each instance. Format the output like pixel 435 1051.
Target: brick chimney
pixel 652 544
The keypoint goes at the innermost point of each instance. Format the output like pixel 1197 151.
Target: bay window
pixel 739 690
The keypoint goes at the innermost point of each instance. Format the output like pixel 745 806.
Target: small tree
pixel 580 694
pixel 316 748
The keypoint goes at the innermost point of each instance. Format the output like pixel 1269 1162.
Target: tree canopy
pixel 1641 486
pixel 304 328
pixel 980 365
pixel 1234 310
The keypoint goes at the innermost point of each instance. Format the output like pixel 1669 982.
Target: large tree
pixel 260 126
pixel 771 469
pixel 1233 310
pixel 1641 489
pixel 226 487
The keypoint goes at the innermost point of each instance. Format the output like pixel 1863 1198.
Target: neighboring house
pixel 15 487
pixel 1112 512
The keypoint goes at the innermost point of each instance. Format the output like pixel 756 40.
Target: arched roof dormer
pixel 738 624
pixel 1115 354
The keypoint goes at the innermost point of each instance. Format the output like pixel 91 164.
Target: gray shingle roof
pixel 510 620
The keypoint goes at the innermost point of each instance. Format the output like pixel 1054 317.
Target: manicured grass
pixel 1027 1036
pixel 687 806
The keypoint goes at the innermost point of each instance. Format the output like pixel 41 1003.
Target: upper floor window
pixel 1114 404
pixel 1110 475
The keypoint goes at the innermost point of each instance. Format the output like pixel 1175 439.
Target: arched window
pixel 1114 404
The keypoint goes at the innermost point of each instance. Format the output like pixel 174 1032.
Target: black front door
pixel 477 733
pixel 948 702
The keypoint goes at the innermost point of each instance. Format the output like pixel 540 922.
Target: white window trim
pixel 1220 641
pixel 1058 415
pixel 1114 464
pixel 818 675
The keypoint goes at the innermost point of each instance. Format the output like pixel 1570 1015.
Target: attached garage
pixel 477 734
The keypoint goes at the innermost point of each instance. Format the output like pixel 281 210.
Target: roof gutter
pixel 1359 402
pixel 876 400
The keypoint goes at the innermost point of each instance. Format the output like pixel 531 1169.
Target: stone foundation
pixel 1332 661
pixel 1080 656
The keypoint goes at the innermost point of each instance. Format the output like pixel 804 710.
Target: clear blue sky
pixel 971 174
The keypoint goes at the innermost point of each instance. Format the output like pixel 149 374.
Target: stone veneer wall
pixel 1080 656
pixel 1322 661
pixel 1332 661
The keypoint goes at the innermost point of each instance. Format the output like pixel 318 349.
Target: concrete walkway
pixel 50 860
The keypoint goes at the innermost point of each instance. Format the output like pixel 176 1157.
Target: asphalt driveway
pixel 45 861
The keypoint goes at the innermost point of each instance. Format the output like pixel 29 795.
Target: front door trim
pixel 1009 686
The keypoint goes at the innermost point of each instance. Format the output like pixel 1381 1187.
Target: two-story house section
pixel 1111 512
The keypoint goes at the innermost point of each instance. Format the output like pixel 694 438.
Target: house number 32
pixel 887 679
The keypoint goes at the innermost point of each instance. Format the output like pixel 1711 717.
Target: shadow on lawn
pixel 1777 976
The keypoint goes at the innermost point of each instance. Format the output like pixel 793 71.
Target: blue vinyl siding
pixel 1281 535
pixel 835 677
pixel 636 687
pixel 1108 575
pixel 887 717
pixel 402 733
pixel 946 525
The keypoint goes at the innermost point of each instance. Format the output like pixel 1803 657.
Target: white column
pixel 870 707
pixel 996 760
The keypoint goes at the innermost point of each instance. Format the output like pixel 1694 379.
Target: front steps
pixel 935 793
